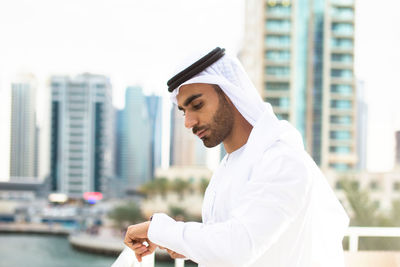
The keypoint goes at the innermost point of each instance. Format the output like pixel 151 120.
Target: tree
pixel 178 213
pixel 367 213
pixel 149 188
pixel 126 214
pixel 180 186
pixel 203 185
pixel 162 186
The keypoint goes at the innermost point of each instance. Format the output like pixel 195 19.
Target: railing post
pixel 353 242
pixel 148 261
pixel 179 262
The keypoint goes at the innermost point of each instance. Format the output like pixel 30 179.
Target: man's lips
pixel 201 133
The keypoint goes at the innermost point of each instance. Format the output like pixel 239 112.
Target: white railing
pixel 354 233
pixel 128 259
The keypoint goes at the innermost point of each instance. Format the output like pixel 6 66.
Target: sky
pixel 140 42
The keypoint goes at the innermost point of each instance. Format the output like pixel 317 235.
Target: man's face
pixel 207 112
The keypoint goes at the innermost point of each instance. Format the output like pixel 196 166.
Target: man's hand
pixel 135 237
pixel 173 254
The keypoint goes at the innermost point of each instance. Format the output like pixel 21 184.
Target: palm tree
pixel 162 186
pixel 203 185
pixel 180 186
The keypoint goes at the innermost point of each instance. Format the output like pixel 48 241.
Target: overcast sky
pixel 140 42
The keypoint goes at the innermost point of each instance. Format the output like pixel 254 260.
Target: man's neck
pixel 240 134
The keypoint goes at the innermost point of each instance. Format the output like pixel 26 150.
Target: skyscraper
pixel 154 107
pixel 136 139
pixel 23 149
pixel 81 134
pixel 300 55
pixel 362 127
pixel 397 152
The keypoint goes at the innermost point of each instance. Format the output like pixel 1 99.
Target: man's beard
pixel 221 125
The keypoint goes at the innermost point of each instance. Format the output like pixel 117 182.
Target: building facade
pixel 300 55
pixel 81 134
pixel 24 131
pixel 136 140
pixel 154 108
pixel 186 148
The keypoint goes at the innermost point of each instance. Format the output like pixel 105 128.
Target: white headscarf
pixel 229 74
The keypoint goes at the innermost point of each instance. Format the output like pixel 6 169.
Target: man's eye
pixel 198 106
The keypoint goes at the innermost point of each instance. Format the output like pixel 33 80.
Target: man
pixel 267 204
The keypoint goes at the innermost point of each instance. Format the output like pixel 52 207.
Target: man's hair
pixel 218 90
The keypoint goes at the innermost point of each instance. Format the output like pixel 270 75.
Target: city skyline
pixel 377 59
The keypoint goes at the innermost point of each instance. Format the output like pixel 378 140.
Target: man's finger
pixel 138 257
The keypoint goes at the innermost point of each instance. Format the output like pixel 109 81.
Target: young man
pixel 267 204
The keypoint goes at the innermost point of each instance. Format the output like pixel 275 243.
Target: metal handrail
pixel 355 232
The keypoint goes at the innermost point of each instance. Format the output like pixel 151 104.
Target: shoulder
pixel 283 161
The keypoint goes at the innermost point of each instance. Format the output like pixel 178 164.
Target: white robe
pixel 267 204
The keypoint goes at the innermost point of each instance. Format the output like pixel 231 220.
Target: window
pixel 75 142
pixel 278 8
pixel 278 71
pixel 344 89
pixel 277 25
pixel 347 120
pixel 343 28
pixel 374 185
pixel 340 135
pixel 283 116
pixel 341 104
pixel 281 55
pixel 396 186
pixel 342 58
pixel 75 126
pixel 341 73
pixel 345 43
pixel 277 86
pixel 75 158
pixel 277 40
pixel 340 149
pixel 343 12
pixel 281 102
pixel 340 166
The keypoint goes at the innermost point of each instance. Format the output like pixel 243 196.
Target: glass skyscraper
pixel 24 135
pixel 154 107
pixel 81 134
pixel 136 139
pixel 300 55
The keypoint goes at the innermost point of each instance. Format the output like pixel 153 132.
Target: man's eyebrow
pixel 189 100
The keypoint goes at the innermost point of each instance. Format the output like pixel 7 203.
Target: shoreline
pixel 92 244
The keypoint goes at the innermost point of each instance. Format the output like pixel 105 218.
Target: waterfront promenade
pixel 26 228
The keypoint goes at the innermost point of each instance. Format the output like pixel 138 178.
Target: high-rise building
pixel 136 139
pixel 154 107
pixel 186 148
pixel 24 132
pixel 362 127
pixel 397 153
pixel 300 55
pixel 119 116
pixel 81 134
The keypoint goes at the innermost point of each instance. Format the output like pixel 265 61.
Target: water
pixel 18 250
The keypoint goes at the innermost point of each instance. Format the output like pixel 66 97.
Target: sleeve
pixel 271 199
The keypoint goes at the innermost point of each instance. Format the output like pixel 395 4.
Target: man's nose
pixel 190 121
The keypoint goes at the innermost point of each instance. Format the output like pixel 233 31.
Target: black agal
pixel 195 68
